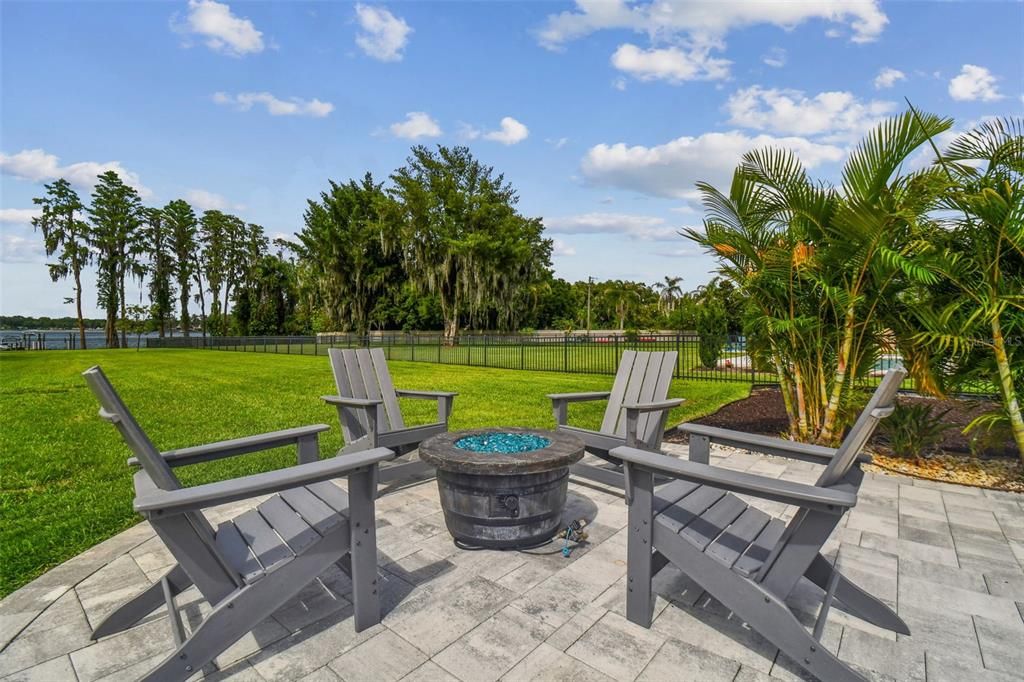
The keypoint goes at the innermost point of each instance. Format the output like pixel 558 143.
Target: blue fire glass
pixel 502 443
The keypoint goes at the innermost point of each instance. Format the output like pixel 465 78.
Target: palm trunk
pixel 787 395
pixel 839 381
pixel 78 305
pixel 1006 386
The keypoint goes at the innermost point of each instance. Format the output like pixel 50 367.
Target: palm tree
pixel 982 262
pixel 670 290
pixel 817 260
pixel 67 236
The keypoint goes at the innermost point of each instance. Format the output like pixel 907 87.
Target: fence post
pixel 412 347
pixel 440 338
pixel 485 351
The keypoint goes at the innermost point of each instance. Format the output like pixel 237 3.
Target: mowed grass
pixel 64 485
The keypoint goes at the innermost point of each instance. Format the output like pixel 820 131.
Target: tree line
pixel 182 259
pixel 440 246
pixel 928 263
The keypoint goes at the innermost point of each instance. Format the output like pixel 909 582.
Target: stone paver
pixel 949 557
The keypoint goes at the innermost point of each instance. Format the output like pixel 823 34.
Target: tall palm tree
pixel 982 262
pixel 817 260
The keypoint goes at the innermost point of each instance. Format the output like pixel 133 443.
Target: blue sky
pixel 602 114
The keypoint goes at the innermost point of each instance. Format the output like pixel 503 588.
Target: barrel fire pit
pixel 502 488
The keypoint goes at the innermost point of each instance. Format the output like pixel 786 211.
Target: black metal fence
pixel 570 353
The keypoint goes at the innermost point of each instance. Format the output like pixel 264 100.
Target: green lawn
pixel 63 482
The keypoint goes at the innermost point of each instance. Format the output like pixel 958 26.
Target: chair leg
pixel 362 490
pixel 639 549
pixel 854 599
pixel 140 606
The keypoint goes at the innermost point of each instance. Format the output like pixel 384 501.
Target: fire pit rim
pixel 440 451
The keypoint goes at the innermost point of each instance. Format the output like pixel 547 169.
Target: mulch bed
pixel 998 467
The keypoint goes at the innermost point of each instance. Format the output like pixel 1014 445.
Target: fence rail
pixel 569 353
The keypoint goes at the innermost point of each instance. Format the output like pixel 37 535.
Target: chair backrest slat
pixel 877 408
pixel 641 377
pixel 611 414
pixel 632 394
pixel 352 426
pixel 387 389
pixel 363 373
pixel 659 377
pixel 113 409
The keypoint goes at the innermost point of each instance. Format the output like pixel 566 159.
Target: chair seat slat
pixel 237 553
pixel 756 554
pixel 731 544
pixel 315 511
pixel 292 528
pixel 264 542
pixel 680 515
pixel 330 493
pixel 709 525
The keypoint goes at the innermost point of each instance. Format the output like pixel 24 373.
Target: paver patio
pixel 949 558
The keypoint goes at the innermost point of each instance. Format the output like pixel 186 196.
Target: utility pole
pixel 590 281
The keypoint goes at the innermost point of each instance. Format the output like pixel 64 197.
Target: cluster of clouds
pixel 420 124
pixel 683 38
pixel 293 106
pixel 36 165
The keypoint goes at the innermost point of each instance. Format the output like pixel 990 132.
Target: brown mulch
pixel 998 467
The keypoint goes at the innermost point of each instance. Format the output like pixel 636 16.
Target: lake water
pixel 62 339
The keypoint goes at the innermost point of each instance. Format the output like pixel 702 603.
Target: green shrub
pixel 913 430
pixel 713 329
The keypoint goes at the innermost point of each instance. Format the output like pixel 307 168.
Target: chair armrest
pixel 798 494
pixel 578 397
pixel 444 401
pixel 351 402
pixel 634 411
pixel 661 405
pixel 424 395
pixel 239 446
pixel 560 403
pixel 166 502
pixel 768 445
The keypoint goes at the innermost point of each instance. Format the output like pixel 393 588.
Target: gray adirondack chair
pixel 368 410
pixel 635 415
pixel 246 568
pixel 746 559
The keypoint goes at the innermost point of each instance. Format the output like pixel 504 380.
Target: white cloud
pixel 836 115
pixel 511 132
pixel 666 19
pixel 36 165
pixel 16 248
pixel 416 124
pixel 557 143
pixel 619 83
pixel 671 169
pixel 974 83
pixel 887 78
pixel 670 64
pixel 383 35
pixel 221 30
pixel 561 248
pixel 636 226
pixel 775 57
pixel 22 216
pixel 293 106
pixel 203 200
